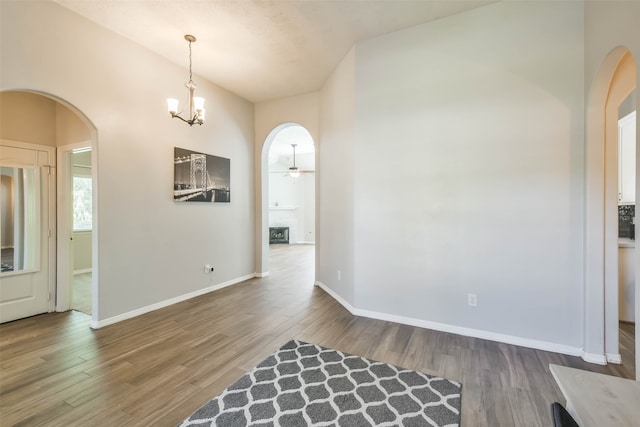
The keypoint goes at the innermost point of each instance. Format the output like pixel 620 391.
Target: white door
pixel 26 231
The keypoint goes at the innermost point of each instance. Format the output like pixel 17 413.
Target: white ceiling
pixel 261 49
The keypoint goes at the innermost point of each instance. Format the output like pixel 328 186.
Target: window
pixel 82 203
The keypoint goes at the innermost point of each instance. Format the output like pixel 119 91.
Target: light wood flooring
pixel 81 298
pixel 156 369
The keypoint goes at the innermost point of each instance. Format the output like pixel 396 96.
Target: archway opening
pixel 72 138
pixel 289 189
pixel 613 85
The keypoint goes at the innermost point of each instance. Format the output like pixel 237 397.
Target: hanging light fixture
pixel 196 103
pixel 293 170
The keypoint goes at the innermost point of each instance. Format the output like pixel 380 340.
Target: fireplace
pixel 278 235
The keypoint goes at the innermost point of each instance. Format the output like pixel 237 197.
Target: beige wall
pixel 81 251
pixel 28 117
pixel 69 127
pixel 37 119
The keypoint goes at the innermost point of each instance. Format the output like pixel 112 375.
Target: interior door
pixel 26 231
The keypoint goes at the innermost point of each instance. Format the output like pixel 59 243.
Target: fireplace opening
pixel 278 235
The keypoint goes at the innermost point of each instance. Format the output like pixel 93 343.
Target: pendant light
pixel 196 104
pixel 294 171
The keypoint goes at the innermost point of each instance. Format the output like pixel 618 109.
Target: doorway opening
pixel 290 197
pixel 81 228
pixel 63 130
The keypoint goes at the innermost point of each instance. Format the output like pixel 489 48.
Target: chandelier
pixel 196 103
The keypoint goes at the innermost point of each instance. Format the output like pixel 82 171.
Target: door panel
pixel 25 233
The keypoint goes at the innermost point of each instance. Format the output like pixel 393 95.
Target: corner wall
pixel 458 153
pixel 335 270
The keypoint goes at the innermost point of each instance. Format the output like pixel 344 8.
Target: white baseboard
pixel 140 311
pixel 264 274
pixel 615 358
pixel 82 271
pixel 599 359
pixel 458 330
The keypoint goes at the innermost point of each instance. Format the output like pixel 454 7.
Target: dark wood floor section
pixel 158 368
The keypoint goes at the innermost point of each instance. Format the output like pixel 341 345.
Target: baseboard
pixel 264 274
pixel 143 310
pixel 615 358
pixel 82 271
pixel 336 297
pixel 599 359
pixel 458 330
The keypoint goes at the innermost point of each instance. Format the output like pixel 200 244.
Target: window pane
pixel 81 203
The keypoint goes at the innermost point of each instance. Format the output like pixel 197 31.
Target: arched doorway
pixel 62 128
pixel 288 202
pixel 614 82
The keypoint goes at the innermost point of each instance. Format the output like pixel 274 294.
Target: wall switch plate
pixel 339 275
pixel 472 300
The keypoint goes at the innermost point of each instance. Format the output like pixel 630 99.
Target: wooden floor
pixel 158 368
pixel 81 296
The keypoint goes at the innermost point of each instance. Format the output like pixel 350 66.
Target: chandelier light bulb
pixel 198 104
pixel 172 105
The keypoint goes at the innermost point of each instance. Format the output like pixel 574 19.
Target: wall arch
pixel 614 81
pixel 88 135
pixel 263 232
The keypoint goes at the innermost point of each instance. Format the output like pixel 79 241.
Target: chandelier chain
pixel 190 74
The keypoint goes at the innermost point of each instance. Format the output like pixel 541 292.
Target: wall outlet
pixel 472 300
pixel 339 275
pixel 208 269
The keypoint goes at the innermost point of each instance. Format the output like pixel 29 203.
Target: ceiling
pixel 261 49
pixel 281 151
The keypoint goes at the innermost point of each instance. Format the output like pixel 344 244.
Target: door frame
pixel 65 227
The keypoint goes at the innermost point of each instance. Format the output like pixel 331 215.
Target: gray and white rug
pixel 304 384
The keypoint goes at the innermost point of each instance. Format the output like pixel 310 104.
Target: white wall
pixel 467 160
pixel 150 248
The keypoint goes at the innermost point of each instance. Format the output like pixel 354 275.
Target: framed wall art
pixel 200 177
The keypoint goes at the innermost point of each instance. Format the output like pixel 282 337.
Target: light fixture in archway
pixel 293 170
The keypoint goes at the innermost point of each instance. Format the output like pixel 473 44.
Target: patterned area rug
pixel 307 385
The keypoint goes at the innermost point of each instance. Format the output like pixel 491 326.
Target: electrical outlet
pixel 208 269
pixel 472 300
pixel 339 275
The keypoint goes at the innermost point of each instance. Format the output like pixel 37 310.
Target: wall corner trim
pixel 143 310
pixel 458 330
pixel 263 274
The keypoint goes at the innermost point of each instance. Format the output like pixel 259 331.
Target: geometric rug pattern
pixel 304 384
